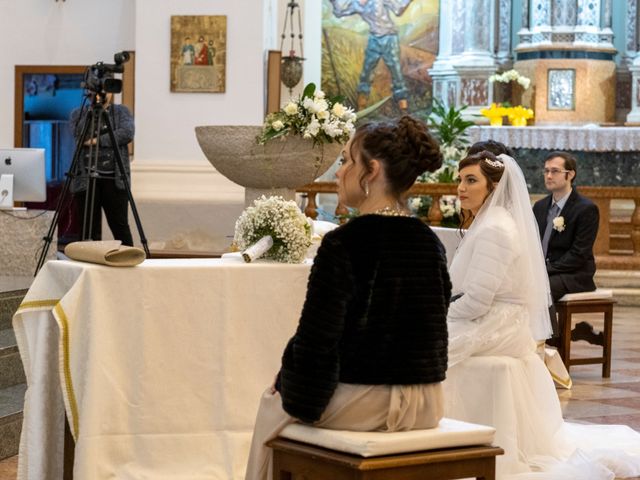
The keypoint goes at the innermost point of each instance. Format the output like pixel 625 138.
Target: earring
pixel 366 189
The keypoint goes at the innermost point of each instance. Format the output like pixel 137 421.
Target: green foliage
pixel 449 125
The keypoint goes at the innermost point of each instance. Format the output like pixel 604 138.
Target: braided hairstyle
pixel 405 148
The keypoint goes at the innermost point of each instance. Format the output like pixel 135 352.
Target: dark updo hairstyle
pixel 492 173
pixel 497 148
pixel 404 147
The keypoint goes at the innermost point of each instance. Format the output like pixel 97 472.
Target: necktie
pixel 553 213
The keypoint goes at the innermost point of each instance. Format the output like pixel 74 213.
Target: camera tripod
pixel 96 116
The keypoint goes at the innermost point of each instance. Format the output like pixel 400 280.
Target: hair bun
pixel 424 149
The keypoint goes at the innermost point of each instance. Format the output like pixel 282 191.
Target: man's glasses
pixel 553 171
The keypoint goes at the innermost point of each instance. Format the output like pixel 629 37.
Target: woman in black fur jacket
pixel 370 350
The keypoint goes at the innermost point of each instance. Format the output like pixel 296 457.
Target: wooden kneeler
pixel 600 301
pixel 297 459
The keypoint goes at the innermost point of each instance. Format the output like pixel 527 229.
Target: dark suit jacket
pixel 570 252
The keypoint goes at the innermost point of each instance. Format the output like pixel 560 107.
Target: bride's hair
pixel 492 169
pixel 404 147
pixel 490 166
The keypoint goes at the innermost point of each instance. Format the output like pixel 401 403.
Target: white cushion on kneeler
pixel 597 294
pixel 449 433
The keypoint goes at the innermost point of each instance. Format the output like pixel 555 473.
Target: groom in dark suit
pixel 568 224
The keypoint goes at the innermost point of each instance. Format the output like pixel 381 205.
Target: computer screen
pixel 27 166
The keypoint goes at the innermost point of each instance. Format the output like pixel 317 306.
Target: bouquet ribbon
pixel 258 249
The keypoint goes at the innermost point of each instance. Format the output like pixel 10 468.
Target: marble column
pixel 630 62
pixel 466 56
pixel 446 82
pixel 503 42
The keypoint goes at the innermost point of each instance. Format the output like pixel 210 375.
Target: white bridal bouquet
pixel 274 228
pixel 311 116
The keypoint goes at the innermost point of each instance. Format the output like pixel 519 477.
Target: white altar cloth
pixel 561 137
pixel 160 366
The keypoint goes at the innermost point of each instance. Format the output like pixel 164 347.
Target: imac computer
pixel 22 176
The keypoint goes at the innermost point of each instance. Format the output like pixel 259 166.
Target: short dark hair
pixel 570 161
pixel 497 148
pixel 403 146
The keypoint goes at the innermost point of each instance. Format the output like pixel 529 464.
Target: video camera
pixel 99 78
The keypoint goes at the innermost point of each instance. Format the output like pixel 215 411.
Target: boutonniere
pixel 558 224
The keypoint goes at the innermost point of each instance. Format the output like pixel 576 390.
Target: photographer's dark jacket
pixel 375 313
pixel 123 129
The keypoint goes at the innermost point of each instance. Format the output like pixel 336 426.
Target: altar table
pixel 159 367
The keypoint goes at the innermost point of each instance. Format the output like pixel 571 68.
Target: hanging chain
pixel 288 20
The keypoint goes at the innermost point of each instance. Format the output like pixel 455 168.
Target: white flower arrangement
pixel 311 116
pixel 448 172
pixel 280 219
pixel 511 76
pixel 558 224
pixel 449 206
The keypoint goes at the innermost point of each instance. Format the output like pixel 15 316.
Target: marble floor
pixel 615 400
pixel 593 399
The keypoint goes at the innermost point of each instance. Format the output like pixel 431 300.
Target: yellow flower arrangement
pixel 519 115
pixel 494 114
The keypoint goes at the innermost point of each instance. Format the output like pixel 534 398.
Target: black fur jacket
pixel 375 313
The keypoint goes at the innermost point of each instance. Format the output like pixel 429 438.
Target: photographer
pixel 109 192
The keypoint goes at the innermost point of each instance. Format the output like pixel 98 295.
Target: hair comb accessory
pixel 494 163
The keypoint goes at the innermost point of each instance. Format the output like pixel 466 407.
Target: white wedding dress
pixel 495 376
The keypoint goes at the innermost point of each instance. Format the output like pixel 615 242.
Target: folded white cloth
pixel 108 252
pixel 449 433
pixel 597 294
pixel 321 228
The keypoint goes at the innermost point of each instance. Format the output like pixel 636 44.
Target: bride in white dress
pixel 495 376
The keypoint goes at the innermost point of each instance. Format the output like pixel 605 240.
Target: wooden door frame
pixel 20 72
pixel 128 89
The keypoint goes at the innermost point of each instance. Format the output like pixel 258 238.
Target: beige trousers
pixel 365 408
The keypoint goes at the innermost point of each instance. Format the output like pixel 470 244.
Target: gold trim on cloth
pixel 554 365
pixel 563 382
pixel 37 304
pixel 63 323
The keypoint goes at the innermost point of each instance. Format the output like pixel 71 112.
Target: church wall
pixel 37 32
pixel 181 198
pixel 165 120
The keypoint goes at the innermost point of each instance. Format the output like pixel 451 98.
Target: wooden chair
pixel 599 301
pixel 452 450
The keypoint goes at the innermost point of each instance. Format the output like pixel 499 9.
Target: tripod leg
pixel 89 213
pixel 125 180
pixel 62 198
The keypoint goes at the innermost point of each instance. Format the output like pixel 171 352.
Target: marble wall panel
pixel 474 91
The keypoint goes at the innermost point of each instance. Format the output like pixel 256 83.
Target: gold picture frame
pixel 198 53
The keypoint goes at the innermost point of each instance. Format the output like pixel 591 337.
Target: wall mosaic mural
pixel 374 50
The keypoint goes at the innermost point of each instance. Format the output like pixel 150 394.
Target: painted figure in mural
pixel 383 43
pixel 202 58
pixel 211 52
pixel 188 52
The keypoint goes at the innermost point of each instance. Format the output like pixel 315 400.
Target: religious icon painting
pixel 198 53
pixel 377 53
